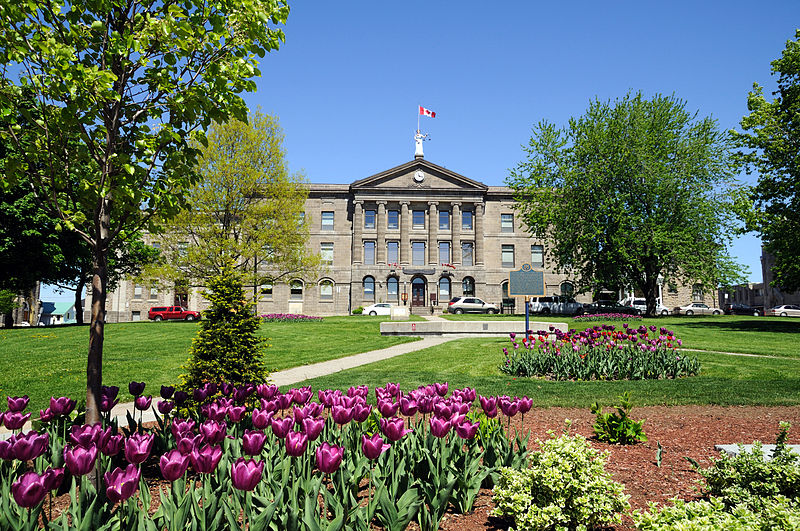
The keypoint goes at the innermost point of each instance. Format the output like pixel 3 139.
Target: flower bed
pixel 252 456
pixel 599 353
pixel 288 317
pixel 606 317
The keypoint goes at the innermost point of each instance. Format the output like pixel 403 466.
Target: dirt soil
pixel 683 431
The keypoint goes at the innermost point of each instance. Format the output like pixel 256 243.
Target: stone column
pixel 358 229
pixel 478 234
pixel 433 232
pixel 455 230
pixel 405 241
pixel 381 239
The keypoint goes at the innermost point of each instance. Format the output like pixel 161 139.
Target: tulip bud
pixel 246 473
pixel 121 484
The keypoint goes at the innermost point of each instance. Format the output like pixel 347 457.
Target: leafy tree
pixel 8 302
pixel 632 190
pixel 227 349
pixel 245 213
pixel 121 88
pixel 771 140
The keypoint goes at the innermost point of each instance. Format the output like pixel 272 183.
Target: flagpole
pixel 418 117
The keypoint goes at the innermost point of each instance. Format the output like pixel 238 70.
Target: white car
pixel 382 308
pixel 696 308
pixel 641 305
pixel 555 305
pixel 785 310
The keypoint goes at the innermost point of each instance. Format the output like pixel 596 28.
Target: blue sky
pixel 347 82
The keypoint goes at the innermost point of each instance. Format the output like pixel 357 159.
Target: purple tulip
pixel 213 432
pixel 138 448
pixel 236 413
pixel 29 489
pixel 113 445
pixel 62 406
pixel 394 428
pixel 5 449
pixel 439 427
pixel 173 465
pixel 165 406
pixel 465 430
pixel 53 477
pixel 187 442
pixel 392 388
pixel 80 460
pixel 441 389
pixel 281 427
pixel 361 412
pixel 301 395
pixel 46 415
pixel 509 407
pixel 266 391
pixel 199 394
pixel 270 406
pixel 167 391
pixel 342 415
pixel 408 406
pixel 14 420
pixel 284 401
pixel 489 406
pixel 107 403
pixel 262 418
pixel 85 435
pixel 387 408
pixel 30 446
pixel 142 403
pixel 136 388
pixel 226 388
pixel 313 427
pixel 373 446
pixel 443 410
pixel 111 391
pixel 425 404
pixel 121 484
pixel 329 458
pixel 215 411
pixel 299 413
pixel 253 441
pixel 240 394
pixel 206 458
pixel 181 397
pixel 361 390
pixel 296 443
pixel 17 403
pixel 246 473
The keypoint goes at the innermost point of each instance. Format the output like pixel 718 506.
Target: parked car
pixel 785 310
pixel 641 305
pixel 742 309
pixel 696 308
pixel 160 313
pixel 470 305
pixel 610 307
pixel 382 308
pixel 557 304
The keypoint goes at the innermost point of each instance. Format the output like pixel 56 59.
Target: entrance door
pixel 418 292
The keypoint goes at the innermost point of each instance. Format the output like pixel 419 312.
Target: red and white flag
pixel 426 112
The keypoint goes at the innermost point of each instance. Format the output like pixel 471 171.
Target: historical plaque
pixel 526 282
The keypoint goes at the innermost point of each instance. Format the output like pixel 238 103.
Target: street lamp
pixel 404 296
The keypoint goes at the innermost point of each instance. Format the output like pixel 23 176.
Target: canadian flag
pixel 426 112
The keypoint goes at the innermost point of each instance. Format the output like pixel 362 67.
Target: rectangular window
pixel 153 292
pixel 466 253
pixel 418 219
pixel 507 255
pixel 266 291
pixel 537 256
pixel 392 219
pixel 444 220
pixel 392 252
pixel 369 253
pixel 444 252
pixel 466 219
pixel 327 221
pixel 506 222
pixel 418 253
pixel 326 291
pixel 296 291
pixel 369 219
pixel 137 292
pixel 326 253
pixel 672 287
pixel 136 316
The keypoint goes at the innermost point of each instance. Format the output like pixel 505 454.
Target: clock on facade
pixel 419 176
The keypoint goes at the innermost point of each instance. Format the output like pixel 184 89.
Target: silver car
pixel 696 308
pixel 785 310
pixel 470 305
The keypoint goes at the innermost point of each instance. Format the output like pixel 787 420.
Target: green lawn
pixel 45 362
pixel 771 336
pixel 728 380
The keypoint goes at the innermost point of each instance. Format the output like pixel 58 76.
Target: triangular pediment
pixel 407 176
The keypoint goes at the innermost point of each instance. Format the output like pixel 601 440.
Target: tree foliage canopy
pixel 771 138
pixel 245 213
pixel 632 190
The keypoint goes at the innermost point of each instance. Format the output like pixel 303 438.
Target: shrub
pixel 358 311
pixel 618 428
pixel 712 515
pixel 565 486
pixel 288 318
pixel 227 348
pixel 599 353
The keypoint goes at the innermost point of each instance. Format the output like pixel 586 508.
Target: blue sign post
pixel 527 283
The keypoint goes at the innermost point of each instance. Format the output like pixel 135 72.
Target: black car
pixel 743 309
pixel 610 307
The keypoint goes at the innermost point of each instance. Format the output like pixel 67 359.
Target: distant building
pixel 57 313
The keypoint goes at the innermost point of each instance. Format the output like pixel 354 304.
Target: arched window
pixel 567 289
pixel 369 288
pixel 444 289
pixel 392 289
pixel 326 290
pixel 504 287
pixel 468 286
pixel 296 290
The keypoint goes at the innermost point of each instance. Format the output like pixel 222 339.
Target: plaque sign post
pixel 525 282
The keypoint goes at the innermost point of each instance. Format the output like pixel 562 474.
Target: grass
pixel 45 362
pixel 770 336
pixel 725 380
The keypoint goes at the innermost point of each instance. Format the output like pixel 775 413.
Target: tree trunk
pixel 94 365
pixel 78 299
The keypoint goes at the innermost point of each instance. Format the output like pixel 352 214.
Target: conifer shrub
pixel 227 348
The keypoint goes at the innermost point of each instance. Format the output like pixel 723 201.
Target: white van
pixel 641 305
pixel 555 305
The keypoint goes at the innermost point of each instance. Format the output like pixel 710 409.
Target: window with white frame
pixel 466 253
pixel 369 252
pixel 266 291
pixel 418 253
pixel 444 252
pixel 295 290
pixel 153 291
pixel 327 221
pixel 368 285
pixel 537 255
pixel 137 291
pixel 444 220
pixel 369 219
pixel 326 253
pixel 506 222
pixel 507 255
pixel 392 252
pixel 444 289
pixel 418 219
pixel 467 217
pixel 392 289
pixel 326 290
pixel 392 219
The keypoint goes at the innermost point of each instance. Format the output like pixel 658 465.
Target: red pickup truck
pixel 159 313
